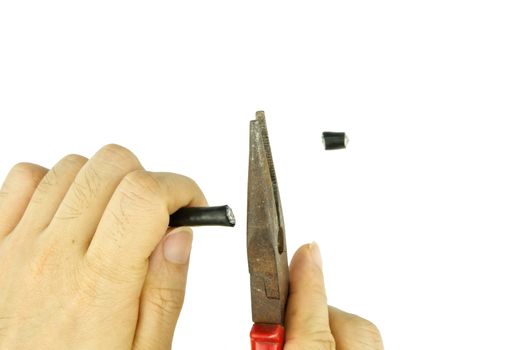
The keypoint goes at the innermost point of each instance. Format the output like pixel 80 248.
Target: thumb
pixel 163 292
pixel 307 321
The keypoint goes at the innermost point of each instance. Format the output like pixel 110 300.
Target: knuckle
pixel 89 184
pixel 23 167
pixel 27 172
pixel 117 155
pixel 137 201
pixel 80 194
pixel 83 190
pixel 165 301
pixel 70 209
pixel 49 180
pixel 190 182
pixel 52 177
pixel 120 221
pixel 74 160
pixel 141 184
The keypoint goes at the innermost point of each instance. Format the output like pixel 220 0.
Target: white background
pixel 420 221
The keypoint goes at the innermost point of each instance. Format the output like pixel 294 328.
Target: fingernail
pixel 177 245
pixel 316 254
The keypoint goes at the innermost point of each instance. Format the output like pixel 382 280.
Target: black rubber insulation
pixel 334 140
pixel 203 216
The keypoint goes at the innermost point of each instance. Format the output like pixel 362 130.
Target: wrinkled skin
pixel 85 261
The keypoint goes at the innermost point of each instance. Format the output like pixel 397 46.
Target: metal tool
pixel 267 259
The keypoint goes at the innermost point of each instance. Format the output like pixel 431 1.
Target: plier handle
pixel 266 243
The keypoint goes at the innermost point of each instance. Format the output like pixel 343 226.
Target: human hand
pixel 313 325
pixel 81 266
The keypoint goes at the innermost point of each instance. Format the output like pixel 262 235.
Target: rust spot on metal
pixel 266 239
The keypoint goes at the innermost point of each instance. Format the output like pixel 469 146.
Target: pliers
pixel 266 243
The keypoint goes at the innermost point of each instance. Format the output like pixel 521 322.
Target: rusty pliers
pixel 267 259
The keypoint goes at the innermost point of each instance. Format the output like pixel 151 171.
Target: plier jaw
pixel 267 258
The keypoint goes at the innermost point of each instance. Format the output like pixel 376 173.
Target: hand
pixel 313 325
pixel 81 266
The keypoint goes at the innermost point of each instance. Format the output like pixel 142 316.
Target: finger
pixel 87 197
pixel 163 292
pixel 16 193
pixel 50 192
pixel 136 218
pixel 307 324
pixel 352 332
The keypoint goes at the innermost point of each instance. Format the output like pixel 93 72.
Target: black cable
pixel 334 140
pixel 203 216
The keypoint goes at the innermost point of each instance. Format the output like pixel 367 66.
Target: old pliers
pixel 267 259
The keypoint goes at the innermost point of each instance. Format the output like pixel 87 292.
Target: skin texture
pixel 85 254
pixel 313 325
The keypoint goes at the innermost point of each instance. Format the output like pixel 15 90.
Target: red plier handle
pixel 267 337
